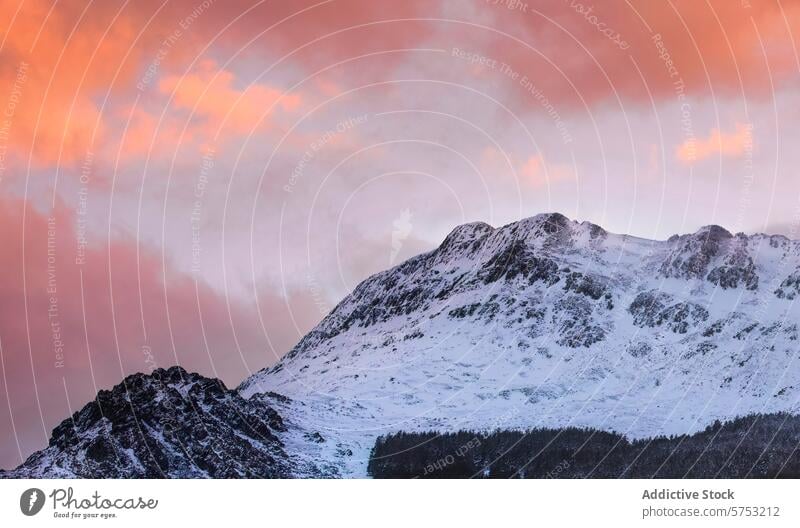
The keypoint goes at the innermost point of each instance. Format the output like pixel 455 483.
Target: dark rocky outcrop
pixel 692 254
pixel 652 309
pixel 166 424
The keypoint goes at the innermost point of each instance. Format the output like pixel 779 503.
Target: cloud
pixel 318 34
pixel 84 66
pixel 71 59
pixel 70 325
pixel 708 49
pixel 718 143
pixel 209 93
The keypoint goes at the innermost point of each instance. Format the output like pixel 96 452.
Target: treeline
pixel 756 446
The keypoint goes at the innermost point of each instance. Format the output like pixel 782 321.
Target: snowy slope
pixel 548 322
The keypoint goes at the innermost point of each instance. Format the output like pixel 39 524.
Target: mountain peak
pixel 714 232
pixel 168 423
pixel 548 223
pixel 468 232
pixel 553 217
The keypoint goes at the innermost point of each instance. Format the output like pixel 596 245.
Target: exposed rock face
pixel 652 309
pixel 166 424
pixel 790 287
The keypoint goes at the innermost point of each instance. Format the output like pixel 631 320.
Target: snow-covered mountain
pixel 545 322
pixel 548 322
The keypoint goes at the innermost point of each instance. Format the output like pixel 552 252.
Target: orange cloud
pixel 149 134
pixel 733 144
pixel 68 60
pixel 210 94
pixel 77 54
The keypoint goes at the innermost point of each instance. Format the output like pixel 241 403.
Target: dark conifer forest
pixel 756 446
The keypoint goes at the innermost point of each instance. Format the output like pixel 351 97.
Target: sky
pixel 199 182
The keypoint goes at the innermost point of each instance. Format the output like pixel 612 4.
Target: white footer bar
pixel 406 503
